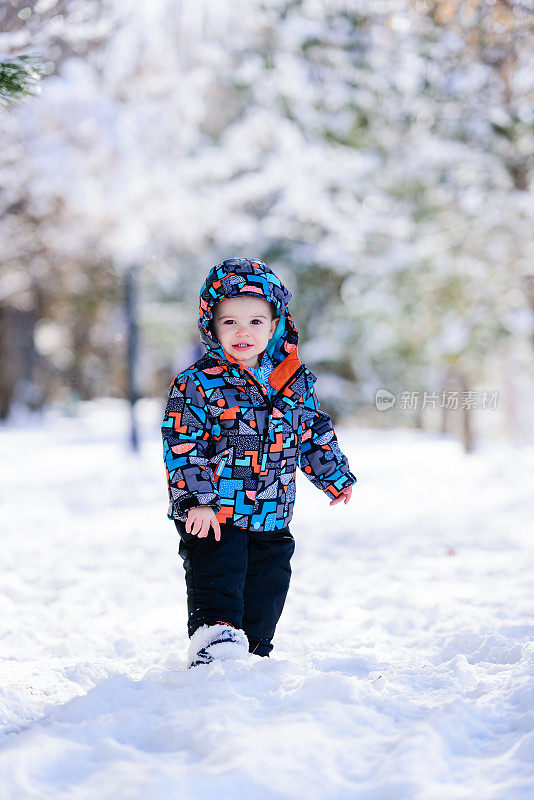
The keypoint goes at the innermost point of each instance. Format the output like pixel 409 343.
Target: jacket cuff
pixel 334 491
pixel 180 507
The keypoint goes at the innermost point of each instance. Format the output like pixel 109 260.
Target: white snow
pixel 403 662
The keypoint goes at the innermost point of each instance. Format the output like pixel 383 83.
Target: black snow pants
pixel 242 579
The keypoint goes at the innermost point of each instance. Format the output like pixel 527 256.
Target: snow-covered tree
pixel 358 148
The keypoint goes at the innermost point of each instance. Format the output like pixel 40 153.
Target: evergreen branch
pixel 19 78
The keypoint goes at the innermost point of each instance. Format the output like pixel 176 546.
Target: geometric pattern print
pixel 230 444
pixel 227 446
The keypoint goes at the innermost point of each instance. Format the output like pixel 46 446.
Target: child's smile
pixel 242 346
pixel 243 326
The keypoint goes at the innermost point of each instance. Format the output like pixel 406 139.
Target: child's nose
pixel 242 330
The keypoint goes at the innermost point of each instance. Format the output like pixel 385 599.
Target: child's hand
pixel 345 495
pixel 199 521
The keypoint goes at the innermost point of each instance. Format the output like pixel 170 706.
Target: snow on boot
pixel 220 641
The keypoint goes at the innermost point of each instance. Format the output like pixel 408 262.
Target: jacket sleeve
pixel 321 460
pixel 186 441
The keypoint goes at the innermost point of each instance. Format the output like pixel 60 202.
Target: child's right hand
pixel 199 521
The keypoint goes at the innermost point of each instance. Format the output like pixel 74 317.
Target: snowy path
pixel 403 664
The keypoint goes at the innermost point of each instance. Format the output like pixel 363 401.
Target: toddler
pixel 237 424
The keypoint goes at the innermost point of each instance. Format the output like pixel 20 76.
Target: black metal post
pixel 133 343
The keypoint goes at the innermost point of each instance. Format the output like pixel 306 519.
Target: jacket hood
pixel 241 276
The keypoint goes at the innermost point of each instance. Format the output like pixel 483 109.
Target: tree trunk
pixel 133 338
pixel 467 416
pixel 7 383
pixel 18 362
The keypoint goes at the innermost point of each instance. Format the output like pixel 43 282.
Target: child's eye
pixel 253 322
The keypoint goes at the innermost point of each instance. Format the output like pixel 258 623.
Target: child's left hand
pixel 345 495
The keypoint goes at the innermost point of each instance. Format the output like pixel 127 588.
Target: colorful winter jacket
pixel 226 443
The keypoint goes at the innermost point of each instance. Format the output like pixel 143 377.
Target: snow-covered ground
pixel 403 663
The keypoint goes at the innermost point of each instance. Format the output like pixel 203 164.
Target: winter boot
pixel 219 641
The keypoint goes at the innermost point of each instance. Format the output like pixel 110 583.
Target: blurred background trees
pixel 377 155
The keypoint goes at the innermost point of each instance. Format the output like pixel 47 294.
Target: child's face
pixel 243 326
